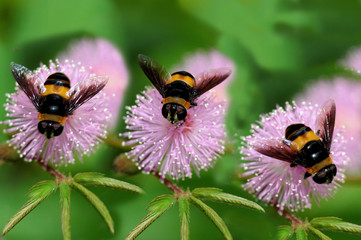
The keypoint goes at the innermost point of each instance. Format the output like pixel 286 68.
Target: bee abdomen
pixel 182 76
pixel 58 76
pixel 300 135
pixel 295 130
pixel 57 83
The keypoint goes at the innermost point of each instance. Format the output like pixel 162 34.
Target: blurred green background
pixel 279 47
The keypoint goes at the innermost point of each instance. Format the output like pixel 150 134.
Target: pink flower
pixel 346 94
pixel 205 61
pixel 175 149
pixel 353 59
pixel 274 181
pixel 82 129
pixel 103 59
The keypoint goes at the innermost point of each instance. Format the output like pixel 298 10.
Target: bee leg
pixel 287 142
pixel 193 104
pixel 307 174
pixel 180 123
pixel 293 165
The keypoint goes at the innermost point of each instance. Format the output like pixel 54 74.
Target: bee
pixel 180 89
pixel 303 147
pixel 55 100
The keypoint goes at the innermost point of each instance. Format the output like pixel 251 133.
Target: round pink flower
pixel 353 59
pixel 205 61
pixel 104 59
pixel 175 149
pixel 274 181
pixel 346 94
pixel 82 130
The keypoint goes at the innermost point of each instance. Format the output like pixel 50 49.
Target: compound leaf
pixel 97 203
pixel 37 194
pixel 156 208
pixel 218 195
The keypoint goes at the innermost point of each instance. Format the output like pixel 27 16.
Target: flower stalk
pixel 289 216
pixel 170 185
pixel 52 171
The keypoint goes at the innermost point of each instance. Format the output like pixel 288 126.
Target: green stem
pixel 116 142
pixel 8 154
pixel 238 175
pixel 230 147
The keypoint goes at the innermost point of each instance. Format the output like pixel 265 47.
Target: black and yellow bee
pixel 303 147
pixel 180 89
pixel 54 99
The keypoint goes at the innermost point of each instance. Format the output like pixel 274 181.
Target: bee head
pixel 325 175
pixel 174 112
pixel 50 128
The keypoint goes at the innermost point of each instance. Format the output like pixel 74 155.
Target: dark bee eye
pixel 165 110
pixel 56 126
pixel 57 129
pixel 325 175
pixel 181 112
pixel 320 177
pixel 42 126
pixel 333 169
pixel 50 128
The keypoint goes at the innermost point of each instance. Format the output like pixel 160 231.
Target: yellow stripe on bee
pixel 300 141
pixel 318 166
pixel 177 100
pixel 52 117
pixel 184 78
pixel 55 89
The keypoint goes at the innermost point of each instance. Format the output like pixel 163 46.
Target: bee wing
pixel 30 84
pixel 325 122
pixel 83 91
pixel 156 73
pixel 208 80
pixel 276 148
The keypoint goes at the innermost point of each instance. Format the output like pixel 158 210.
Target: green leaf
pixel 156 208
pixel 218 195
pixel 94 19
pixel 213 216
pixel 65 210
pixel 237 19
pixel 335 224
pixel 299 19
pixel 317 233
pixel 284 232
pixel 97 203
pixel 184 217
pixel 301 233
pixel 37 194
pixel 98 179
